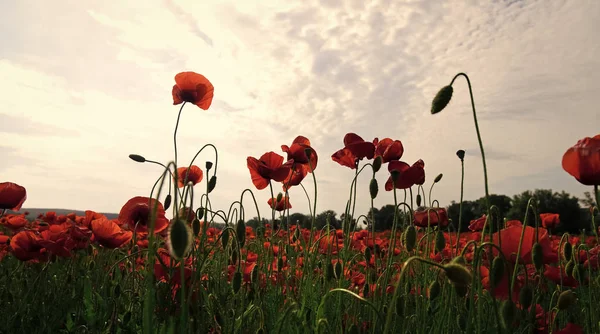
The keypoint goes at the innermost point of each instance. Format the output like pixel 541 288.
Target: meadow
pixel 143 272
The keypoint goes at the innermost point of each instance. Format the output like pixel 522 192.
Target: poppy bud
pixel 579 272
pixel 566 299
pixel 137 158
pixel 373 188
pixel 179 239
pixel 440 241
pixel 200 213
pixel 329 271
pixel 526 296
pixel 537 256
pixel 196 226
pixel 395 175
pixel 212 183
pixel 441 99
pixel 508 312
pixel 208 166
pixel 460 260
pixel 240 231
pixel 250 294
pixel 377 163
pixel 368 254
pixel 418 200
pixel 254 274
pixel 569 268
pixel 225 237
pixel 338 270
pixel 167 202
pixel 236 283
pixel 460 154
pixel 279 197
pixel 568 251
pixel 458 274
pixel 410 238
pixel 234 256
pixel 366 290
pixel 434 289
pixel 438 178
pixel 497 271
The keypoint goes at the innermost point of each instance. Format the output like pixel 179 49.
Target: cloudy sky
pixel 86 83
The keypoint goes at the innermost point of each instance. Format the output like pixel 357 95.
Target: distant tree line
pixel 575 214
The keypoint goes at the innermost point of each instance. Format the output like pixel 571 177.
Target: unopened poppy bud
pixel 240 231
pixel 537 256
pixel 497 271
pixel 329 271
pixel 438 178
pixel 212 183
pixel 225 237
pixel 377 163
pixel 526 296
pixel 458 274
pixel 234 256
pixel 569 268
pixel 179 239
pixel 440 241
pixel 395 174
pixel 566 299
pixel 168 202
pixel 137 158
pixel 410 238
pixel 434 289
pixel 279 197
pixel 208 166
pixel 196 226
pixel 338 270
pixel 568 251
pixel 200 213
pixel 441 99
pixel 236 283
pixel 373 188
pixel 579 272
pixel 368 254
pixel 460 154
pixel 418 200
pixel 508 312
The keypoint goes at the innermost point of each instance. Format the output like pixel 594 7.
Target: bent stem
pixel 460 207
pixel 175 132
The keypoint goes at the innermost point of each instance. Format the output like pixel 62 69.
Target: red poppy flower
pixel 193 174
pixel 295 177
pixel 109 234
pixel 14 222
pixel 476 225
pixel 582 161
pixel 297 152
pixel 550 220
pixel 389 149
pixel 281 205
pixel 269 167
pixel 25 246
pixel 194 88
pixel 136 215
pixel 12 196
pixel 570 328
pixel 425 217
pixel 355 148
pixel 409 175
pixel 511 237
pixel 57 240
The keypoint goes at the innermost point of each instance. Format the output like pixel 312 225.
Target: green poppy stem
pixel 175 132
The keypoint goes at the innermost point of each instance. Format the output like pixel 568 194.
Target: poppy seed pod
pixel 526 296
pixel 373 188
pixel 458 274
pixel 438 178
pixel 137 158
pixel 196 226
pixel 240 231
pixel 508 312
pixel 377 163
pixel 441 99
pixel 179 239
pixel 497 271
pixel 568 251
pixel 167 202
pixel 537 256
pixel 212 183
pixel 440 241
pixel 460 154
pixel 236 283
pixel 410 238
pixel 566 299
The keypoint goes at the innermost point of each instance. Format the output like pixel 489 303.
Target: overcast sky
pixel 86 83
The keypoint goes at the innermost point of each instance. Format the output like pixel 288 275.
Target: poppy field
pixel 205 271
